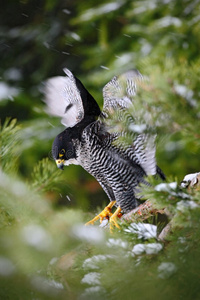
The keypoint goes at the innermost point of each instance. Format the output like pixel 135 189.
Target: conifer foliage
pixel 46 252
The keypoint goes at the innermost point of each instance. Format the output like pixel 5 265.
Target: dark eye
pixel 62 152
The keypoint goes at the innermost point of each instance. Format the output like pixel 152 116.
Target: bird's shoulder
pixel 98 132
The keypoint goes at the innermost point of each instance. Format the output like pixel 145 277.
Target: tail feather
pixel 160 173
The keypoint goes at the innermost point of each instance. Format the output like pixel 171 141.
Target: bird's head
pixel 63 150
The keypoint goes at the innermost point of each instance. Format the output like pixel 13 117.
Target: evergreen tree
pixel 46 252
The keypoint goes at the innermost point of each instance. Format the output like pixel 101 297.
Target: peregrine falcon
pixel 88 139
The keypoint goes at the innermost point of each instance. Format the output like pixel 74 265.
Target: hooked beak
pixel 60 163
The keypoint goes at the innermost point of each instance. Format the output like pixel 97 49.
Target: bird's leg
pixel 106 213
pixel 113 219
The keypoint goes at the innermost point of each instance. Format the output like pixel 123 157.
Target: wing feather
pixel 120 91
pixel 119 94
pixel 63 99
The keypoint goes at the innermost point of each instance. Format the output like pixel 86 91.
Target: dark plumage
pixel 88 141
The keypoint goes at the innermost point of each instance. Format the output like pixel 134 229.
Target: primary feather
pixel 120 91
pixel 63 99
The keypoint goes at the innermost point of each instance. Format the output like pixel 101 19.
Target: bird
pixel 89 140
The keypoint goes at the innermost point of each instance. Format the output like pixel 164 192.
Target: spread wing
pixel 119 94
pixel 120 91
pixel 63 99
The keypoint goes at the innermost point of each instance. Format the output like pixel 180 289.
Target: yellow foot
pixel 106 213
pixel 114 218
